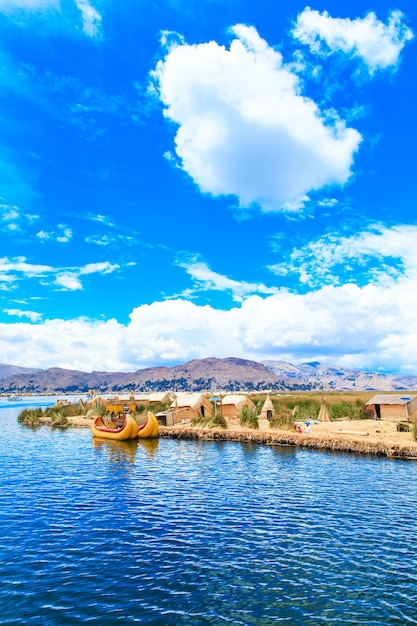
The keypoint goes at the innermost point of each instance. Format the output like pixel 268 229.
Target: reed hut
pixel 323 415
pixel 268 409
pixel 188 406
pixel 392 407
pixel 233 404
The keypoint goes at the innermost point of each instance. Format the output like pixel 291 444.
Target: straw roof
pixel 237 400
pixel 184 399
pixel 391 398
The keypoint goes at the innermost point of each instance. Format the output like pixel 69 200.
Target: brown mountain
pixel 6 371
pixel 58 380
pixel 202 374
pixel 209 374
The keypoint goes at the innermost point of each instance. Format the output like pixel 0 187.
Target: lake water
pixel 183 532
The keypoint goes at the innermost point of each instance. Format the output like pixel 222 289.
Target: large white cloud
pixel 244 127
pixel 371 326
pixel 379 45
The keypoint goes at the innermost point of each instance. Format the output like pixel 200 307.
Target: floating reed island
pixel 298 421
pixel 364 437
pixel 351 436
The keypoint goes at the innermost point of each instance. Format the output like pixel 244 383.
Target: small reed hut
pixel 268 409
pixel 188 406
pixel 233 404
pixel 392 407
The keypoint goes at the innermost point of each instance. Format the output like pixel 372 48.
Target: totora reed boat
pixel 119 430
pixel 125 427
pixel 150 428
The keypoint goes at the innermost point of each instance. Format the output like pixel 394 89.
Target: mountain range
pixel 209 374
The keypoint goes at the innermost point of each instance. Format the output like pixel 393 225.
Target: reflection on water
pixel 149 445
pixel 116 451
pixel 167 532
pixel 119 451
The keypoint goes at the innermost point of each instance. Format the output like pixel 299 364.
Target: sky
pixel 188 179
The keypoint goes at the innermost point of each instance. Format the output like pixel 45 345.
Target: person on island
pixel 298 429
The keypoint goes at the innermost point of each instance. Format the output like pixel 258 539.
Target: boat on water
pixel 14 398
pixel 125 428
pixel 117 430
pixel 150 428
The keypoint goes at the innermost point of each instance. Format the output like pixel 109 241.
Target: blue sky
pixel 182 180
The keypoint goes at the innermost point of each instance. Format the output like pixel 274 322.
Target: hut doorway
pixel 378 411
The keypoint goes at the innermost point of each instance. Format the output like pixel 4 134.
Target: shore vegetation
pixel 248 418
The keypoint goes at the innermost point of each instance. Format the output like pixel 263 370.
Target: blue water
pixel 184 532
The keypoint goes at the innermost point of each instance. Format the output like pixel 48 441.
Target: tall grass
pixel 307 406
pixel 284 421
pixel 58 419
pixel 347 410
pixel 30 417
pixel 248 418
pixel 212 421
pixel 300 409
pixel 68 410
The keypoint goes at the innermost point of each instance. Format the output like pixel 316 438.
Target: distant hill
pixel 6 371
pixel 209 374
pixel 334 378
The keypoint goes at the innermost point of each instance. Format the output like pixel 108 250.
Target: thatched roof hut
pixel 392 407
pixel 233 404
pixel 268 409
pixel 188 406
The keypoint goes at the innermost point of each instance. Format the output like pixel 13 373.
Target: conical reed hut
pixel 268 409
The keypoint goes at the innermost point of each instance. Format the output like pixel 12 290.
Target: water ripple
pixel 197 533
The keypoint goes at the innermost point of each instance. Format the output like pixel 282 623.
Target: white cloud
pixel 207 280
pixel 63 235
pixel 378 255
pixel 244 127
pixel 371 326
pixel 374 326
pixel 91 18
pixel 99 268
pixel 68 281
pixel 33 316
pixel 10 218
pixel 379 45
pixel 17 269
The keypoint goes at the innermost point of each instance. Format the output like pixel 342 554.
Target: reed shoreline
pixel 334 443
